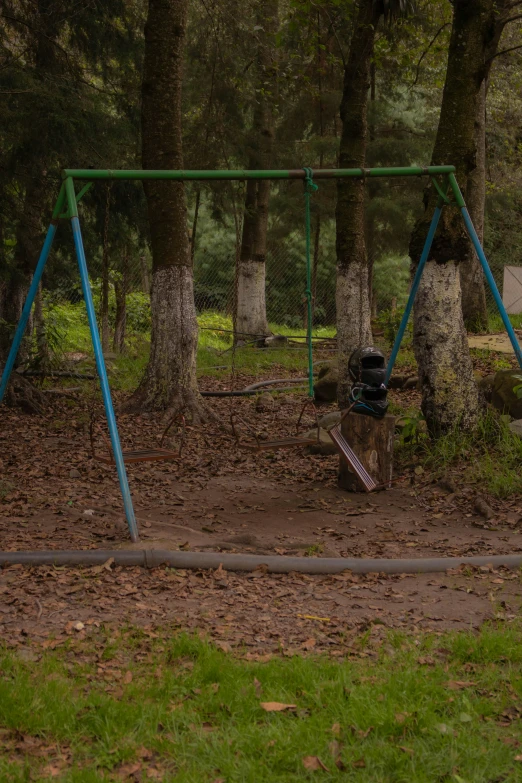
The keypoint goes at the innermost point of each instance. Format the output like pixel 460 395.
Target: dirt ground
pixel 53 495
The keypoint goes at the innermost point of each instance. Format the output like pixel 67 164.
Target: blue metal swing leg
pixel 33 290
pixel 485 267
pixel 100 362
pixel 415 285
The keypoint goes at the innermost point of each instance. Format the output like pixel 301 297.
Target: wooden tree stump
pixel 372 441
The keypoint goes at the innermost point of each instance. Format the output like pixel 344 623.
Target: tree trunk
pixel 104 304
pixel 170 379
pixel 145 279
pixel 352 294
pixel 120 291
pixel 250 320
pixel 474 308
pixel 372 441
pixel 42 346
pixel 449 392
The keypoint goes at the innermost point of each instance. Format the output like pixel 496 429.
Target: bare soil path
pixel 53 495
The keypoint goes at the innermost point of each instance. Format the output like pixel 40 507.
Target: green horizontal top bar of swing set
pixel 405 171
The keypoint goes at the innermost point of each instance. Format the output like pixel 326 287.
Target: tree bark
pixel 474 308
pixel 352 290
pixel 449 392
pixel 372 441
pixel 120 292
pixel 170 382
pixel 250 320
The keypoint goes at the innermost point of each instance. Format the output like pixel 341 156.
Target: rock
pixel 274 341
pixel 448 485
pixel 516 427
pixel 74 473
pixel 325 388
pixel 265 402
pixel 325 446
pixel 482 508
pixel 411 383
pixel 330 420
pixel 485 384
pixel 503 397
pixel 397 381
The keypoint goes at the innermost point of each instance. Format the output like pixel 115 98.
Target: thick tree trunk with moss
pixel 352 290
pixel 170 382
pixel 250 316
pixel 449 392
pixel 474 307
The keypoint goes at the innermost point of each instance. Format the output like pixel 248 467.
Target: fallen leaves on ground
pixel 314 763
pixel 276 706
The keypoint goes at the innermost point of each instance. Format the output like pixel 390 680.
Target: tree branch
pixel 504 51
pixel 511 19
pixel 425 52
pixel 334 31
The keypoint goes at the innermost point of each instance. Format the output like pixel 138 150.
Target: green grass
pixel 192 713
pixel 495 323
pixel 214 349
pixel 490 456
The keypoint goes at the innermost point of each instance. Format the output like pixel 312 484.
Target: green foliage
pixel 413 429
pixel 490 455
pixel 391 279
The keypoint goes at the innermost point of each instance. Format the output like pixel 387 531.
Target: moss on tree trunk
pixel 449 394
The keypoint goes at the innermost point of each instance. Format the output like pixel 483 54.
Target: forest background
pixel 262 86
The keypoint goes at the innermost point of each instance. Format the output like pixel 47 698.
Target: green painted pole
pixel 405 171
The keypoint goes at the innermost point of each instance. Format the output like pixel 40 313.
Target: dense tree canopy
pixel 262 85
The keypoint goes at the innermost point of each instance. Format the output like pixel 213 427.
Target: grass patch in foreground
pixel 443 708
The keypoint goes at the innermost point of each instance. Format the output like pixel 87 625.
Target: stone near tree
pixel 330 420
pixel 503 396
pixel 324 446
pixel 265 402
pixel 516 427
pixel 325 388
pixel 372 441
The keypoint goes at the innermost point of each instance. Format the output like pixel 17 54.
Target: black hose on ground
pixel 276 564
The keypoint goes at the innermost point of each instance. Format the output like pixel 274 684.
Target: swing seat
pixel 271 445
pixel 290 442
pixel 137 455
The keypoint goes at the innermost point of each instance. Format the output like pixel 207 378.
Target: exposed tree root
pixel 22 394
pixel 189 404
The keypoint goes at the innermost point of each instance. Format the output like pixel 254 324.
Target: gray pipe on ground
pixel 276 564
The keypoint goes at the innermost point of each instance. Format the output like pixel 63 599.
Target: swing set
pixel 66 209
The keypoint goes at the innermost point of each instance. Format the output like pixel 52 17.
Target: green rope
pixel 310 187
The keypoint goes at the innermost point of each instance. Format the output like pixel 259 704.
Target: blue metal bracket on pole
pixel 33 290
pixel 100 362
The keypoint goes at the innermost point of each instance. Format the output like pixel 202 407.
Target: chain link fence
pixel 58 339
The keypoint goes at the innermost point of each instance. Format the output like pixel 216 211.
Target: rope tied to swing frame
pixel 310 188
